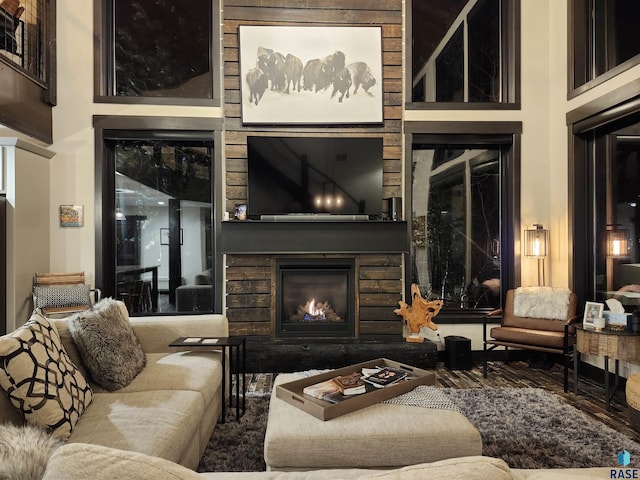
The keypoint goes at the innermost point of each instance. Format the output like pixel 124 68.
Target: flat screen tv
pixel 314 175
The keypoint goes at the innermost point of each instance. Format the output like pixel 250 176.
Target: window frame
pixel 508 135
pixel 510 64
pixel 113 127
pixel 580 55
pixel 104 82
pixel 586 125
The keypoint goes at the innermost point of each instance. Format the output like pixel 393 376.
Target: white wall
pixel 25 168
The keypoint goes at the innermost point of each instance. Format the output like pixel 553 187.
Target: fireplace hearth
pixel 315 297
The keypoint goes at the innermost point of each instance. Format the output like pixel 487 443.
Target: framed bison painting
pixel 311 75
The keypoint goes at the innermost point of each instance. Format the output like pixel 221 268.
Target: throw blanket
pixel 541 302
pixel 426 397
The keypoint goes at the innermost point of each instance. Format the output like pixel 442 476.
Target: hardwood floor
pixel 590 398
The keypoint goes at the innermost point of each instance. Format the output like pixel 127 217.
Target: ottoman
pixel 632 395
pixel 378 436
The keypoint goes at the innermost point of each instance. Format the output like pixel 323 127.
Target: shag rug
pixel 526 427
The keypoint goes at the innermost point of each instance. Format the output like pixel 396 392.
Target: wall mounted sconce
pixel 536 245
pixel 617 242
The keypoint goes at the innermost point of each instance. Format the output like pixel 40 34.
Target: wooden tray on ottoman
pixel 291 392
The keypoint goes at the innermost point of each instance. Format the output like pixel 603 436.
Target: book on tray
pixel 385 376
pixel 350 384
pixel 337 389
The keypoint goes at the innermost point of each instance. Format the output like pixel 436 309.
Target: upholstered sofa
pixel 78 461
pixel 169 410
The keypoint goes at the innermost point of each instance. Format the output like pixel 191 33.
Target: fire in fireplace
pixel 313 311
pixel 315 297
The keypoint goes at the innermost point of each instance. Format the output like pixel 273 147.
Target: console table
pixel 234 344
pixel 607 344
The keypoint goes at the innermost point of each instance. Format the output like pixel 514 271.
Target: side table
pixel 234 345
pixel 607 344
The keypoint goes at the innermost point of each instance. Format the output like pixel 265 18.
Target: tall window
pixel 604 39
pixel 617 220
pixel 464 51
pixel 164 254
pixel 605 186
pixel 158 49
pixel 460 198
pixel 156 243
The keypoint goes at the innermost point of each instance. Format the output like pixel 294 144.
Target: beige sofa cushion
pixel 195 371
pixel 82 461
pixel 469 468
pixel 161 423
pixel 40 379
pixel 593 473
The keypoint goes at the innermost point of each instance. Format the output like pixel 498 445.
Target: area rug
pixel 526 427
pixel 532 428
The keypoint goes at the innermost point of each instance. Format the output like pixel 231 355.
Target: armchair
pixel 543 320
pixel 63 293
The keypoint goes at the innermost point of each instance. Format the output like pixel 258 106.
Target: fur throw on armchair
pixel 542 302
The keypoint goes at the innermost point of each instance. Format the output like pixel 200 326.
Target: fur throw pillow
pixel 25 451
pixel 107 344
pixel 542 302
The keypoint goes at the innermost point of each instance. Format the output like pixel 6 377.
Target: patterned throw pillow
pixel 62 296
pixel 109 348
pixel 40 379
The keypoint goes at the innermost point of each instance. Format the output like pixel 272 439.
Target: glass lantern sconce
pixel 536 245
pixel 617 243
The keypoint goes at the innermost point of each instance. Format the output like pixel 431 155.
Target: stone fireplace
pixel 315 297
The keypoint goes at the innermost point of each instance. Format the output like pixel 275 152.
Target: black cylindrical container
pixel 394 208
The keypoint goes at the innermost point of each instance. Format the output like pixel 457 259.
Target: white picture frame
pixel 269 97
pixel 592 310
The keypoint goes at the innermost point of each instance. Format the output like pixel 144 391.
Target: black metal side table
pixel 235 345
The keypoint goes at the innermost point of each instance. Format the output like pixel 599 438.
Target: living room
pixel 541 128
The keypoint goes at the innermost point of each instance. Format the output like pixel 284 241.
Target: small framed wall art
pixel 165 237
pixel 71 215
